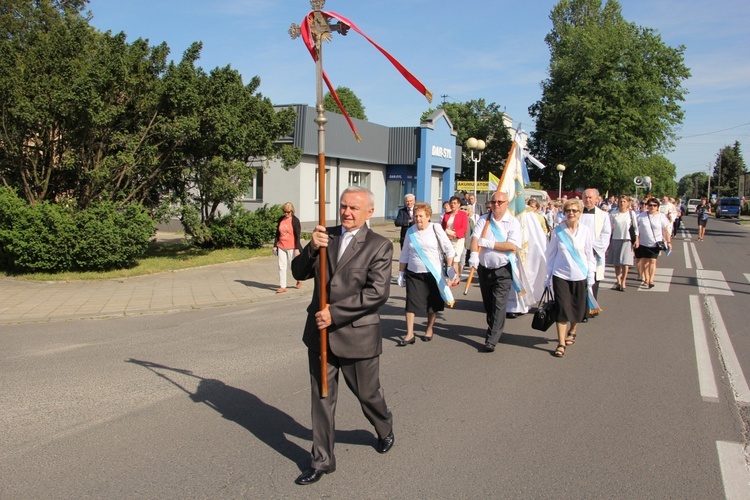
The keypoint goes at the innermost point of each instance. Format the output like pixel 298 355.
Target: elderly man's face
pixel 409 202
pixel 354 210
pixel 499 204
pixel 472 199
pixel 589 198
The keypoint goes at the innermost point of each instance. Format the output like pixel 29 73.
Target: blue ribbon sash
pixel 445 291
pixel 567 242
pixel 515 264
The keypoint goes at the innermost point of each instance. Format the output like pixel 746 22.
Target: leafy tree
pixel 727 170
pixel 88 116
pixel 612 99
pixel 352 103
pixel 483 121
pixel 236 128
pixel 42 48
pixel 693 185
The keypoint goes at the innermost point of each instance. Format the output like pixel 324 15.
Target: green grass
pixel 161 257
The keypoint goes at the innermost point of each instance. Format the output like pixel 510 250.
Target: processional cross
pixel 316 28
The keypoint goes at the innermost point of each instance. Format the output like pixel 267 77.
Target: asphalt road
pixel 214 403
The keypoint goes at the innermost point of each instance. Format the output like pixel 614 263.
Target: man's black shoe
pixel 489 347
pixel 513 315
pixel 311 476
pixel 585 320
pixel 385 444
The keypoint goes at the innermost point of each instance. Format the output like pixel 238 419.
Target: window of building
pixel 255 192
pixel 360 179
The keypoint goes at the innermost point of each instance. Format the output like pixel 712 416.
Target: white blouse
pixel 561 264
pixel 621 224
pixel 651 227
pixel 428 241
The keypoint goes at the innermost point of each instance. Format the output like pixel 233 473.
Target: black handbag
pixel 632 228
pixel 546 313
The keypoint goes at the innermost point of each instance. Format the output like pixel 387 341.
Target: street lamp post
pixel 478 145
pixel 560 169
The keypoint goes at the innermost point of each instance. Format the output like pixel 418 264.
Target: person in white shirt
pixel 424 241
pixel 620 253
pixel 597 220
pixel 571 269
pixel 653 229
pixel 493 263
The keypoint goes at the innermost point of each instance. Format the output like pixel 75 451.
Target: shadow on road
pixel 267 423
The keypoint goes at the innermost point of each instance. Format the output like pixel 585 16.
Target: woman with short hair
pixel 286 244
pixel 421 271
pixel 571 268
pixel 653 228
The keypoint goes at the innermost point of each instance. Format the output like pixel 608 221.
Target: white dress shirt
pixel 561 263
pixel 509 225
pixel 428 241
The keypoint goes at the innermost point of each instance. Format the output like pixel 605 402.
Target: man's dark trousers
pixel 495 286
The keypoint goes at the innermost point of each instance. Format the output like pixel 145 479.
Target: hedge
pixel 52 237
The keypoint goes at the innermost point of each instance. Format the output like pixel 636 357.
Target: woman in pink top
pixel 286 245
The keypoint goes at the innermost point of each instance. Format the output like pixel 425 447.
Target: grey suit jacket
pixel 357 287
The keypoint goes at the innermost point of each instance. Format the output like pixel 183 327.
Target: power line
pixel 715 132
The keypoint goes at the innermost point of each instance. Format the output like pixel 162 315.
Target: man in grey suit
pixel 359 276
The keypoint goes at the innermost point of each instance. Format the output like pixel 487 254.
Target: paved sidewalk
pixel 248 281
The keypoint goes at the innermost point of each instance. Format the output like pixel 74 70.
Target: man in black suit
pixel 405 216
pixel 359 277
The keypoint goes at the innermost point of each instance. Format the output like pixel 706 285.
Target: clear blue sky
pixel 486 49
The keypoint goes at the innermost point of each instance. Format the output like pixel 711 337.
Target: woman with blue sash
pixel 571 270
pixel 422 273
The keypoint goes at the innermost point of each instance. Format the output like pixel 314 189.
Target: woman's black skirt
pixel 646 252
pixel 422 293
pixel 571 299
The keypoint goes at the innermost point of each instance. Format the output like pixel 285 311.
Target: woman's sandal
pixel 570 339
pixel 560 351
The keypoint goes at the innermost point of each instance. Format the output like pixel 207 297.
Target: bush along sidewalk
pixel 56 237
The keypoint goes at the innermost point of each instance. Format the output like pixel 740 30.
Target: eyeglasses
pixel 652 204
pixel 499 202
pixel 571 211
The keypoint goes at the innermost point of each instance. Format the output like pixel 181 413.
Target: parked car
pixel 691 204
pixel 728 207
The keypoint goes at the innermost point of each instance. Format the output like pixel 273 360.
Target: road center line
pixel 706 380
pixel 732 365
pixel 698 264
pixel 688 263
pixel 734 473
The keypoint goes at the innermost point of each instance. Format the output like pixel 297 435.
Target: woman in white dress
pixel 620 252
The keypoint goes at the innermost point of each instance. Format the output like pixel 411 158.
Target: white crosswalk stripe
pixel 662 280
pixel 712 283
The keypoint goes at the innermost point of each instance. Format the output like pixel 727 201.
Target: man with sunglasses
pixel 493 264
pixel 597 220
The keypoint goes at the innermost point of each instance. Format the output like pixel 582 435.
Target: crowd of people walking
pixel 561 246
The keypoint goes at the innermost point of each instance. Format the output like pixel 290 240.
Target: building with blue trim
pixel 390 161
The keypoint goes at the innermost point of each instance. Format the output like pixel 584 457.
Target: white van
pixel 540 195
pixel 691 205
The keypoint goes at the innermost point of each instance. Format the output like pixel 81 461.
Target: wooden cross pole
pixel 321 31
